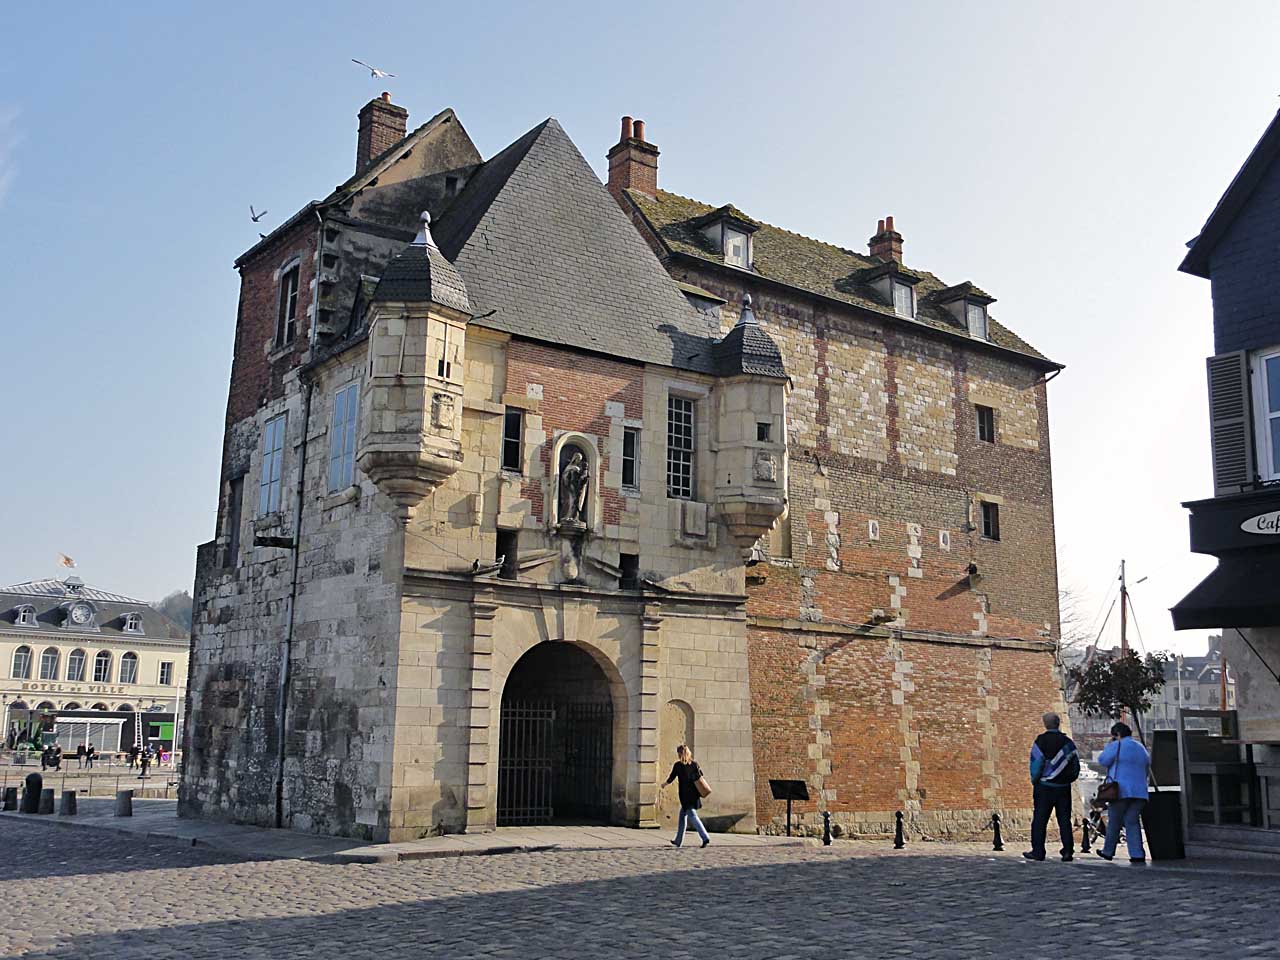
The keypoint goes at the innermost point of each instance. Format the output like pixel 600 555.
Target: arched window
pixel 49 664
pixel 102 667
pixel 100 706
pixel 21 705
pixel 44 705
pixel 73 706
pixel 125 708
pixel 133 623
pixel 22 663
pixel 26 615
pixel 75 666
pixel 129 668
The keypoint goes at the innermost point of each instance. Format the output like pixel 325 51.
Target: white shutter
pixel 1230 422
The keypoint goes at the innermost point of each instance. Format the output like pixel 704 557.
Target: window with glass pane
pixel 680 434
pixel 630 457
pixel 75 666
pixel 986 423
pixel 903 299
pixel 22 663
pixel 49 664
pixel 1271 416
pixel 990 521
pixel 342 442
pixel 272 462
pixel 735 248
pixel 287 322
pixel 512 440
pixel 977 316
pixel 166 673
pixel 102 667
pixel 129 668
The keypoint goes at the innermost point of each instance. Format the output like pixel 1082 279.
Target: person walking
pixel 1055 765
pixel 80 752
pixel 89 756
pixel 687 772
pixel 133 756
pixel 144 758
pixel 1127 763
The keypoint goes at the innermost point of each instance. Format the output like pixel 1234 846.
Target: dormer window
pixel 26 616
pixel 133 623
pixel 736 249
pixel 729 232
pixel 904 299
pixel 976 318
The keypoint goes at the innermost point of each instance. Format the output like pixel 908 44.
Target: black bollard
pixel 46 800
pixel 10 798
pixel 997 843
pixel 1084 835
pixel 31 794
pixel 826 828
pixel 68 806
pixel 898 841
pixel 124 803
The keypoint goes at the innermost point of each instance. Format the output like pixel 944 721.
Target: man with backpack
pixel 1055 766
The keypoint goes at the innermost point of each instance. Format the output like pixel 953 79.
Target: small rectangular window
pixel 990 521
pixel 507 552
pixel 630 457
pixel 680 447
pixel 272 465
pixel 762 431
pixel 628 571
pixel 513 440
pixel 342 441
pixel 166 673
pixel 976 315
pixel 986 423
pixel 736 251
pixel 287 322
pixel 904 299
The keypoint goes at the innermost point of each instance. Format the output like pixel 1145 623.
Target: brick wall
pixel 1246 288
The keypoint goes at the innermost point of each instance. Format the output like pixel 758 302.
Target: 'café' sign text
pixel 1267 524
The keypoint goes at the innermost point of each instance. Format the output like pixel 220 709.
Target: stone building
pixel 494 488
pixel 93 662
pixel 904 615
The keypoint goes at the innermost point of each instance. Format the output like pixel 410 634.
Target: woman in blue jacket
pixel 1127 763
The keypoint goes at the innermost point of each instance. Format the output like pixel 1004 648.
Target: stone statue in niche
pixel 575 482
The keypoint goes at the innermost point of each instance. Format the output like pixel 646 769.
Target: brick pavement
pixel 92 894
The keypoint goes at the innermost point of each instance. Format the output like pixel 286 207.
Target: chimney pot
pixel 888 224
pixel 639 129
pixel 386 95
pixel 880 226
pixel 887 243
pixel 633 163
pixel 626 129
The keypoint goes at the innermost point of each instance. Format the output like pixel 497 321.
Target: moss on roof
pixel 807 264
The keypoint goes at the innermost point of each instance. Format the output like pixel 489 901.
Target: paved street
pixel 88 894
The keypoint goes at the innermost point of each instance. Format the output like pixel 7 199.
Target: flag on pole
pixel 65 561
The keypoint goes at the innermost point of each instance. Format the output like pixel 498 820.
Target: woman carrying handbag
pixel 1125 790
pixel 693 787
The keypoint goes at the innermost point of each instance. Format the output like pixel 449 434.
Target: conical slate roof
pixel 542 244
pixel 748 349
pixel 420 273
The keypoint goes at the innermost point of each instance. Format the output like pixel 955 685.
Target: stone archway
pixel 556 740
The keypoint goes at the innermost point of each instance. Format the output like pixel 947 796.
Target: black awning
pixel 1244 591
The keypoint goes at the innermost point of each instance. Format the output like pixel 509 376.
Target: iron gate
pixel 555 761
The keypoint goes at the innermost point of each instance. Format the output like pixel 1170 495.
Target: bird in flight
pixel 254 215
pixel 374 72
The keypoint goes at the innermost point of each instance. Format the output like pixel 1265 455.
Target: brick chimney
pixel 382 123
pixel 887 243
pixel 633 162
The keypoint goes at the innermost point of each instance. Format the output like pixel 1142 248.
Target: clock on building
pixel 81 613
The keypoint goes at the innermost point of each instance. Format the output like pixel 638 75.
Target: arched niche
pixel 562 454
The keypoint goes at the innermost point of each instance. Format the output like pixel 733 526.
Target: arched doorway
pixel 555 747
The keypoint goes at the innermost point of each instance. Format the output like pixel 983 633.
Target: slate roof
pixel 51 598
pixel 809 265
pixel 421 272
pixel 748 349
pixel 1246 180
pixel 547 254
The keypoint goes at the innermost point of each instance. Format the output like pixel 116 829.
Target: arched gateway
pixel 556 739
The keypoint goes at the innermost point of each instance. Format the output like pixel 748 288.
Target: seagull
pixel 374 72
pixel 254 215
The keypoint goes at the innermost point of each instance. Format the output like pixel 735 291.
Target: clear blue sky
pixel 1057 155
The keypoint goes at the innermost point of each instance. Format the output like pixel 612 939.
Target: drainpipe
pixel 282 697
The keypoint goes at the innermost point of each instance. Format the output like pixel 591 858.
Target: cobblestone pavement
pixel 88 894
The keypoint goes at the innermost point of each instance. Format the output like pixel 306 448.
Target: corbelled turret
pixel 411 435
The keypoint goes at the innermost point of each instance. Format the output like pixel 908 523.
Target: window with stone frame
pixel 990 520
pixel 166 673
pixel 21 667
pixel 513 440
pixel 49 664
pixel 102 667
pixel 631 457
pixel 129 668
pixel 986 417
pixel 269 484
pixel 26 616
pixel 681 433
pixel 904 299
pixel 976 318
pixel 287 319
pixel 342 439
pixel 75 666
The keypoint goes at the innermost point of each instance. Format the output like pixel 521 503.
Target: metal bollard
pixel 997 843
pixel 1084 835
pixel 10 798
pixel 124 803
pixel 46 800
pixel 68 807
pixel 31 795
pixel 826 828
pixel 898 841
